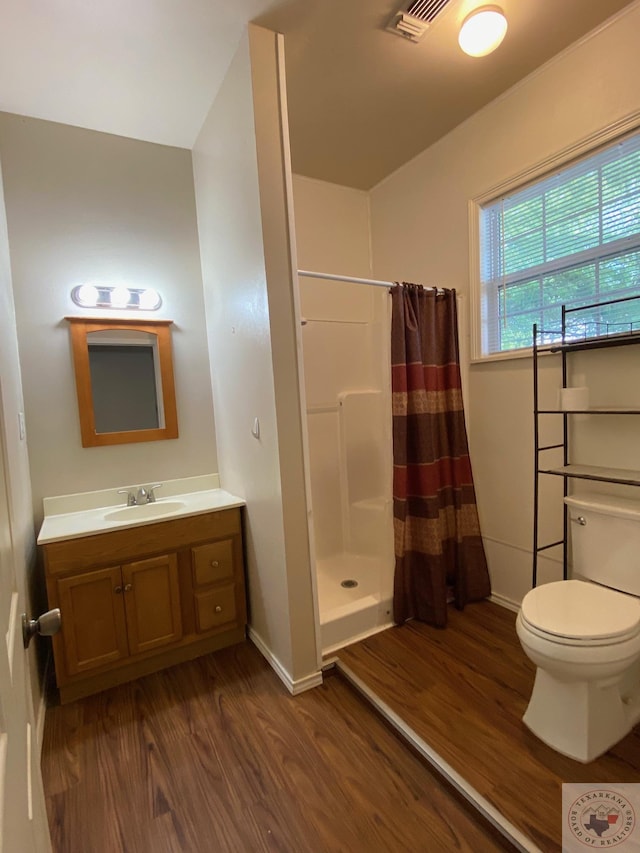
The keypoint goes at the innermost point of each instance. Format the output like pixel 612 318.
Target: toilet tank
pixel 605 540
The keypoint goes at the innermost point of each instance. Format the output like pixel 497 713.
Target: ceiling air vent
pixel 413 20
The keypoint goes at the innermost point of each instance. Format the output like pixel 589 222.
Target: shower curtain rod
pixel 351 280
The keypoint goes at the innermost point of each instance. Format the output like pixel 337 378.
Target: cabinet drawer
pixel 216 607
pixel 212 562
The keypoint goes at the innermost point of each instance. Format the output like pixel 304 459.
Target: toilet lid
pixel 581 611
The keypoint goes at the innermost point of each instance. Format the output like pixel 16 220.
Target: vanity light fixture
pixel 482 30
pixel 118 296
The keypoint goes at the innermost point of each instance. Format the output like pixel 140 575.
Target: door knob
pixel 47 625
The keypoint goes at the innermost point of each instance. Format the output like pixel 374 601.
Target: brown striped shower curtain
pixel 438 546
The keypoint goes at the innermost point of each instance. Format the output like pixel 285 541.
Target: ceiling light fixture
pixel 119 296
pixel 482 31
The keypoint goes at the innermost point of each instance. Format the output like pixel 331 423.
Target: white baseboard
pixel 505 602
pixel 294 686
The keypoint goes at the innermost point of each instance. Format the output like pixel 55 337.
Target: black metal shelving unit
pixel 567 340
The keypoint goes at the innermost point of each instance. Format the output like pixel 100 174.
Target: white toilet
pixel 584 634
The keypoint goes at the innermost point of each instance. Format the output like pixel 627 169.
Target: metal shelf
pixel 595 410
pixel 623 476
pixel 568 471
pixel 598 343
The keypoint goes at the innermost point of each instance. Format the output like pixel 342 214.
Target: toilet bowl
pixel 585 643
pixel 583 635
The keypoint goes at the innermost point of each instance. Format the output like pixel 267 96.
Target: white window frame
pixel 586 146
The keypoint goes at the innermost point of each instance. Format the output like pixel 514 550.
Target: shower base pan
pixel 353 604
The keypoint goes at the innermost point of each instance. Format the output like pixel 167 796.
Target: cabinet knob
pixel 215 563
pixel 128 587
pixel 118 590
pixel 218 609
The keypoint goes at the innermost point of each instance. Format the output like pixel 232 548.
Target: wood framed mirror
pixel 124 380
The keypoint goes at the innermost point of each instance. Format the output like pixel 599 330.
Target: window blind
pixel 571 238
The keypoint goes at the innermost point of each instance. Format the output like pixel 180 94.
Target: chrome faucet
pixel 141 496
pixel 131 498
pixel 151 496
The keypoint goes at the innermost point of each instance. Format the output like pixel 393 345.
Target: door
pixel 23 825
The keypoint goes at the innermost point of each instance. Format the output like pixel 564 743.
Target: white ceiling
pixel 142 68
pixel 361 101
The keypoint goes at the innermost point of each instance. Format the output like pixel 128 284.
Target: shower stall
pixel 347 384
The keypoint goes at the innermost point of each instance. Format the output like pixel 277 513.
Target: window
pixel 570 238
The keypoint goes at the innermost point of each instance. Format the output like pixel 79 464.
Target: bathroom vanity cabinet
pixel 136 600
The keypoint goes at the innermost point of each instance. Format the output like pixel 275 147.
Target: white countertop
pixel 73 516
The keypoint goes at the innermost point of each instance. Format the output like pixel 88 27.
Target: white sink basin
pixel 139 513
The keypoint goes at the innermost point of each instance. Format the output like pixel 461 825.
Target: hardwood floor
pixel 214 755
pixel 464 690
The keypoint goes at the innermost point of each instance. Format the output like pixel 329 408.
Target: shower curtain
pixel 439 551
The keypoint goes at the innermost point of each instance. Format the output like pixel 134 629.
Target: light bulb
pixel 149 299
pixel 120 297
pixel 88 295
pixel 482 31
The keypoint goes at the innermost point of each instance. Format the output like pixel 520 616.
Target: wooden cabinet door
pixel 152 603
pixel 93 630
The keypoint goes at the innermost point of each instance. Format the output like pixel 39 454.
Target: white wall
pixel 420 233
pixel 85 206
pixel 332 235
pixel 278 232
pixel 243 320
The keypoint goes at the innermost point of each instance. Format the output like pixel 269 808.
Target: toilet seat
pixel 578 613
